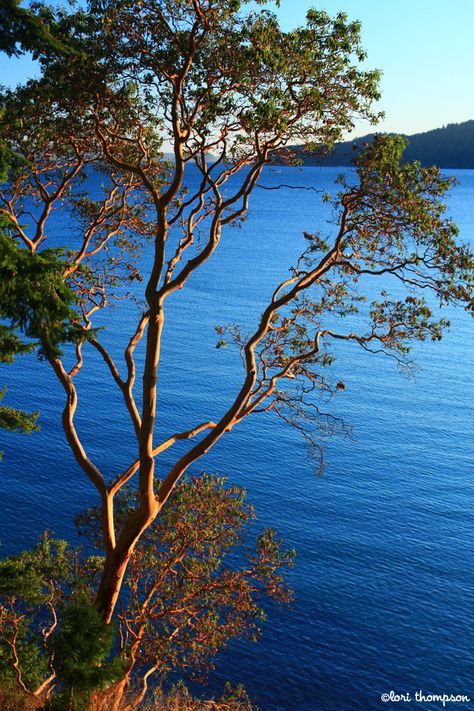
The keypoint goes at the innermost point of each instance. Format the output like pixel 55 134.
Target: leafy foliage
pixel 23 31
pixel 30 589
pixel 45 617
pixel 393 239
pixel 189 592
pixel 179 697
pixel 11 419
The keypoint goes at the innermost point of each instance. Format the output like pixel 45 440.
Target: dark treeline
pixel 449 147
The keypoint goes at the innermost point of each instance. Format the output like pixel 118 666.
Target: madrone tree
pixel 228 91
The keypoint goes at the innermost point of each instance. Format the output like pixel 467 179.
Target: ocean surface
pixel 384 578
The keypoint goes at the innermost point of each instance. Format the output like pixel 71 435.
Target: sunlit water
pixel 384 582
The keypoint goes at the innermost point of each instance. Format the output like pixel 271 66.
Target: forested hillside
pixel 449 147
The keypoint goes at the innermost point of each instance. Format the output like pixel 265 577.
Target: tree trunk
pixel 112 699
pixel 116 561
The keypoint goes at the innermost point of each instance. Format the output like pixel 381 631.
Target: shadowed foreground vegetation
pixel 178 698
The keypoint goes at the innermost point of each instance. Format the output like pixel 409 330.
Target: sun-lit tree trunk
pixel 117 558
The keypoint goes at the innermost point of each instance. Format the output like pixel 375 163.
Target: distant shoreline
pixel 450 147
pixel 343 166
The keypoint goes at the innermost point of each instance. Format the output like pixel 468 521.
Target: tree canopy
pixel 22 30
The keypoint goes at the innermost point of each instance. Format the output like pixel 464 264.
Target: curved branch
pixel 22 234
pixel 215 229
pixel 16 660
pixel 166 444
pixel 232 415
pixel 125 386
pixel 80 454
pixel 289 187
pixel 49 200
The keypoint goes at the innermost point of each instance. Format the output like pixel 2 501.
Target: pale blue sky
pixel 425 49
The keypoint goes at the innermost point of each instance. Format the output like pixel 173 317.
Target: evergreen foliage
pixel 80 649
pixel 35 301
pixel 14 420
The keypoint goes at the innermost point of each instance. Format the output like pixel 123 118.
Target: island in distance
pixel 449 147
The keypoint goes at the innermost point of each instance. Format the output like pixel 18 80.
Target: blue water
pixel 384 582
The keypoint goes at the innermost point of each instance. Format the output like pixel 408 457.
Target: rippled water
pixel 384 576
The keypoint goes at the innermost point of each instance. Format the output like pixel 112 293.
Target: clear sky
pixel 425 49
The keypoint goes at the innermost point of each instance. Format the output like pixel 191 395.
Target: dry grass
pixel 177 698
pixel 12 701
pixel 180 699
